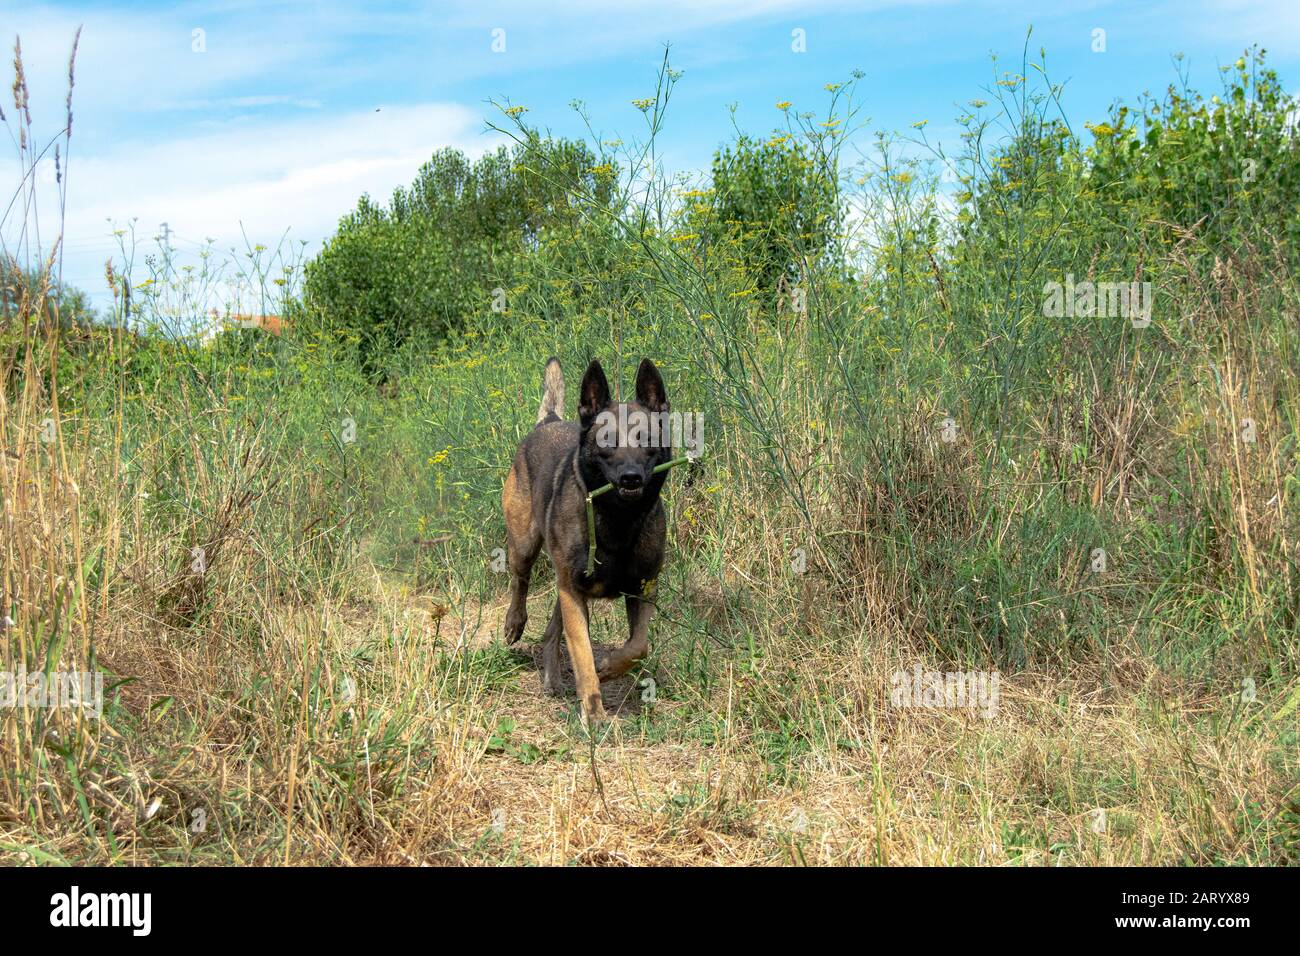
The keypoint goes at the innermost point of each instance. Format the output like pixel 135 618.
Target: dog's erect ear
pixel 650 390
pixel 595 393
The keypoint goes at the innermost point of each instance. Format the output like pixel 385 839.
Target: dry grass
pixel 284 777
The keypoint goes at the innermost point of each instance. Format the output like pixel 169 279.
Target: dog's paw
pixel 514 630
pixel 593 714
pixel 553 686
pixel 612 667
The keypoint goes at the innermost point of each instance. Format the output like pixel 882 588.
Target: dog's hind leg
pixel 523 542
pixel 551 682
pixel 521 570
pixel 621 659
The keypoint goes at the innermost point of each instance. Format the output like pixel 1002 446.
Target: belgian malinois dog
pixel 545 503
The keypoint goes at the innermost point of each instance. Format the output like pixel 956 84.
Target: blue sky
pixel 292 110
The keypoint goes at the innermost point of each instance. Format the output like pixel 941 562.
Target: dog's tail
pixel 552 407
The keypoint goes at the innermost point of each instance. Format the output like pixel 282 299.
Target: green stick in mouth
pixel 591 512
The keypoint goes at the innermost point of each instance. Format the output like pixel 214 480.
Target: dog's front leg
pixel 573 609
pixel 638 642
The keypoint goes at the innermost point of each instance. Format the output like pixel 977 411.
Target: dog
pixel 545 503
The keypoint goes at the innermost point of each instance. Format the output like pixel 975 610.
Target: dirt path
pixel 650 799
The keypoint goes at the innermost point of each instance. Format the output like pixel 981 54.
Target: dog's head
pixel 623 442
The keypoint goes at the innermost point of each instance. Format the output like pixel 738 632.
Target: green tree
pixel 775 202
pixel 432 258
pixel 1225 167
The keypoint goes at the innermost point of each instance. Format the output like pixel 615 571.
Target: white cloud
pixel 1274 24
pixel 251 179
pixel 240 103
pixel 130 59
